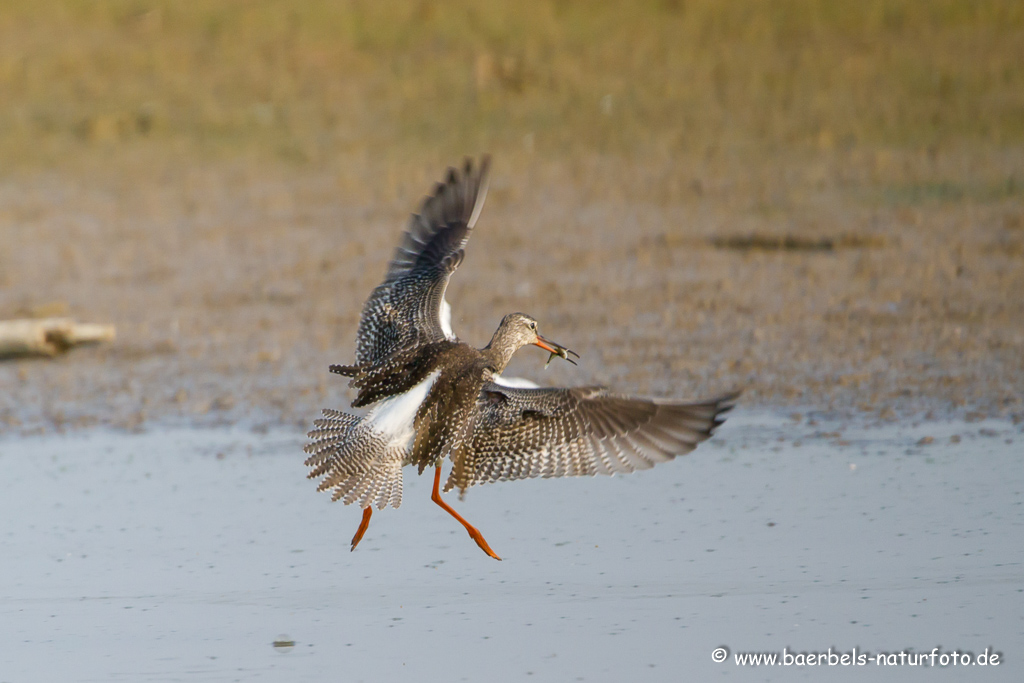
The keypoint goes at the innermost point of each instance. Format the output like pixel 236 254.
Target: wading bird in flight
pixel 431 397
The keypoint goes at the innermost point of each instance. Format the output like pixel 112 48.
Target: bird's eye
pixel 533 326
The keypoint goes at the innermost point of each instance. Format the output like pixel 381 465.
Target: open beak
pixel 555 350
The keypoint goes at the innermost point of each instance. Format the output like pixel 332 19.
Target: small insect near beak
pixel 555 350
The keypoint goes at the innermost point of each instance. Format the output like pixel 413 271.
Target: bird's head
pixel 518 330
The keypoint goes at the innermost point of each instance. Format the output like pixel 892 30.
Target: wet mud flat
pixel 233 286
pixel 204 554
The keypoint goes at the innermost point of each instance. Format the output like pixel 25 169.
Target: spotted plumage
pixel 524 433
pixel 356 463
pixel 431 397
pixel 409 307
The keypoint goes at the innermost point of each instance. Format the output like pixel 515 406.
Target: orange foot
pixel 367 511
pixel 473 533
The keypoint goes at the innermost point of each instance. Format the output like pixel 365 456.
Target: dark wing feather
pixel 523 433
pixel 405 309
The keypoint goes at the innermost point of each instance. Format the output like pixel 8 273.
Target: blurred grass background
pixel 333 83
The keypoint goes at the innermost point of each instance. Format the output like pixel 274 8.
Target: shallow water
pixel 185 554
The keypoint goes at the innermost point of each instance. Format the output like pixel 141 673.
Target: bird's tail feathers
pixel 356 463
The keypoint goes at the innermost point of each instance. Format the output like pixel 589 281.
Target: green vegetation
pixel 313 82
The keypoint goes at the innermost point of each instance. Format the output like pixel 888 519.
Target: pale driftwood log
pixel 48 336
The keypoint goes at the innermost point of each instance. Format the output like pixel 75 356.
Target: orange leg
pixel 473 533
pixel 363 525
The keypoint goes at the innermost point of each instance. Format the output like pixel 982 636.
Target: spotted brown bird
pixel 431 397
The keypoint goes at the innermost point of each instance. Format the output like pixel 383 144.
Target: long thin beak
pixel 555 350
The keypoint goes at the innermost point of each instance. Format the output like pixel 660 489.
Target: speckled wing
pixel 524 433
pixel 409 308
pixel 357 464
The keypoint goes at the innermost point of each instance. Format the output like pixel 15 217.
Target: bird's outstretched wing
pixel 409 307
pixel 523 433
